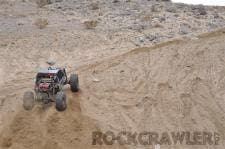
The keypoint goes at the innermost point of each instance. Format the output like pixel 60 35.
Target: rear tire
pixel 60 101
pixel 74 83
pixel 28 100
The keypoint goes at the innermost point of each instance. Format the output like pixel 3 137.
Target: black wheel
pixel 28 100
pixel 74 83
pixel 60 101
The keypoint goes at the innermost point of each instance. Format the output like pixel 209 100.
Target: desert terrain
pixel 143 66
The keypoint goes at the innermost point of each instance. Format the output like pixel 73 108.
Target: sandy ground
pixel 172 86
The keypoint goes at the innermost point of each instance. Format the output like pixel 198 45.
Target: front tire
pixel 28 100
pixel 60 101
pixel 74 83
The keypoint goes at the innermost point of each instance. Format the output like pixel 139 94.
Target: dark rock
pixel 137 27
pixel 115 1
pixel 171 9
pixel 59 7
pixel 42 3
pixel 20 23
pixel 199 10
pixel 50 62
pixel 216 15
pixel 151 37
pixel 162 19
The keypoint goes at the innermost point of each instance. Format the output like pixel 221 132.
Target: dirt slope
pixel 173 86
pixel 46 128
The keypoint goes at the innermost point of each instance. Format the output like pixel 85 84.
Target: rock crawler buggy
pixel 48 88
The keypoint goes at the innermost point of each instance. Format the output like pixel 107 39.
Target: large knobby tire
pixel 28 100
pixel 74 83
pixel 60 101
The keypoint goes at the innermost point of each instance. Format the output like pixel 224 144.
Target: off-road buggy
pixel 48 88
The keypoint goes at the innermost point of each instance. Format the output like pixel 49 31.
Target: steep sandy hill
pixel 174 86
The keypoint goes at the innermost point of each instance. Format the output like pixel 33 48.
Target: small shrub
pixel 147 17
pixel 42 3
pixel 94 6
pixel 90 24
pixel 41 23
pixel 154 8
